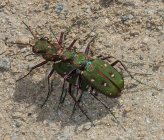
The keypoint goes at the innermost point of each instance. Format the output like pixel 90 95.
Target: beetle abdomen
pixel 104 78
pixel 64 68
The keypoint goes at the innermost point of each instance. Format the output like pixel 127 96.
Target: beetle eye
pixel 46 38
pixel 41 38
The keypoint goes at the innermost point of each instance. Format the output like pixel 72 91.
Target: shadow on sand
pixel 106 3
pixel 35 93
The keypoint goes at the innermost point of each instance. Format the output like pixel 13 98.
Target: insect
pixel 50 51
pixel 81 69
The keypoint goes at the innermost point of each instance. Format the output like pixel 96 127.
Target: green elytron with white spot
pixel 104 78
pixel 99 74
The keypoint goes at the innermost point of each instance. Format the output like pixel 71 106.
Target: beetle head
pixel 41 45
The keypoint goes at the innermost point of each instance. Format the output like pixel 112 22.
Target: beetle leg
pixel 79 106
pixel 108 109
pixel 78 99
pixel 70 74
pixel 114 63
pixel 78 84
pixel 95 92
pixel 71 45
pixel 103 104
pixel 64 93
pixel 60 41
pixel 87 50
pixel 49 87
pixel 77 94
pixel 34 67
pixel 132 77
pixel 105 57
pixel 118 61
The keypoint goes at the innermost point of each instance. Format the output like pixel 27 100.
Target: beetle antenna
pixel 28 27
pixel 29 55
pixel 55 37
pixel 19 43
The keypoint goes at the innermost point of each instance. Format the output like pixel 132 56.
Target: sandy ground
pixel 130 30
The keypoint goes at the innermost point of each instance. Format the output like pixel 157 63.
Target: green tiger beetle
pixel 80 69
pixel 50 52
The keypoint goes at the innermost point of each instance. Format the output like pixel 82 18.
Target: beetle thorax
pixel 80 60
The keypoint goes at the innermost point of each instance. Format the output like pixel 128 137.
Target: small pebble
pixel 62 136
pixel 4 64
pixel 17 123
pixel 106 20
pixel 59 8
pixel 79 129
pixel 87 126
pixel 126 17
pixel 145 41
pixel 22 40
pixel 23 50
pixel 134 33
pixel 92 34
pixel 46 123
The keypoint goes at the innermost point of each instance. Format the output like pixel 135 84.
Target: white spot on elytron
pixel 105 65
pixel 65 73
pixel 110 93
pixel 105 84
pixel 82 72
pixel 92 80
pixel 112 75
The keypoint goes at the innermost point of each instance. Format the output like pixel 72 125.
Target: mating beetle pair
pixel 79 69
